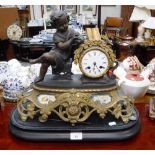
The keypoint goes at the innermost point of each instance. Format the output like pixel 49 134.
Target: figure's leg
pixel 42 59
pixel 43 70
pixel 34 61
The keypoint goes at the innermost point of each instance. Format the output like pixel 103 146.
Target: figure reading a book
pixel 64 38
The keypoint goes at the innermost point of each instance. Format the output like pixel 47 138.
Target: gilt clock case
pixel 94 58
pixel 94 62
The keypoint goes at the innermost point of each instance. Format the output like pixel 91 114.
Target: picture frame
pixel 88 9
pixel 36 12
pixel 69 8
pixel 50 8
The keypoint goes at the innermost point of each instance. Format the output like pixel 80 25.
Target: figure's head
pixel 59 20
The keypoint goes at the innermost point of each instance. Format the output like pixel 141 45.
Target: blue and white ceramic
pixel 12 86
pixel 3 67
pixel 16 77
pixel 3 70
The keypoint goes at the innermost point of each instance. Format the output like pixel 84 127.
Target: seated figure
pixel 65 39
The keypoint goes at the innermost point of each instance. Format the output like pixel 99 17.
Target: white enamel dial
pixel 94 63
pixel 14 32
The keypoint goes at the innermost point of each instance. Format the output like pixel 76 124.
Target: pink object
pixel 134 85
pixel 134 77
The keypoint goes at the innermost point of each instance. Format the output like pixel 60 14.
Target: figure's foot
pixel 38 79
pixel 32 61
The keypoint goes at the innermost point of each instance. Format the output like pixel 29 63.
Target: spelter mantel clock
pixel 79 100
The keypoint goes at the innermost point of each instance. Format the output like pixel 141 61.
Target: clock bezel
pixel 89 50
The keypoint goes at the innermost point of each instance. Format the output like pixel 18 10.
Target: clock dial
pixel 94 63
pixel 14 32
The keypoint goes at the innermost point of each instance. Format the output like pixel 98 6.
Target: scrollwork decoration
pixel 74 106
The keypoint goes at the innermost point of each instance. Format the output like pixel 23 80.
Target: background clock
pixel 94 62
pixel 14 32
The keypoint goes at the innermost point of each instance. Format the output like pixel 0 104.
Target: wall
pixel 8 16
pixel 110 11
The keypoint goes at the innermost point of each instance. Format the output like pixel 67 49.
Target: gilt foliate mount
pixel 74 105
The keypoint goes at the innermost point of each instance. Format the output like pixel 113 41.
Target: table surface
pixel 24 49
pixel 25 43
pixel 144 140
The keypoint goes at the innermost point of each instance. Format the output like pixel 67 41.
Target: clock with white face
pixel 94 63
pixel 14 32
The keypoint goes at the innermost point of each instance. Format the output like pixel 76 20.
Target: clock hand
pixel 95 65
pixel 94 70
pixel 98 68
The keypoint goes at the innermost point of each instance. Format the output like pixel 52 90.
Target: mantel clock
pixel 14 32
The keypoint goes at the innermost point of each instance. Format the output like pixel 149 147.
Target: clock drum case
pixel 94 59
pixel 94 62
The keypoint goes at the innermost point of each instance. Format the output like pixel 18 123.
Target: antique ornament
pixel 73 105
pixel 58 105
pixel 14 32
pixel 94 58
pixel 76 105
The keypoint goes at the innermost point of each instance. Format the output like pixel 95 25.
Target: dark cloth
pixel 60 62
pixel 63 37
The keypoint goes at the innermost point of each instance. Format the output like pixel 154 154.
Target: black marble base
pixel 75 81
pixel 94 129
